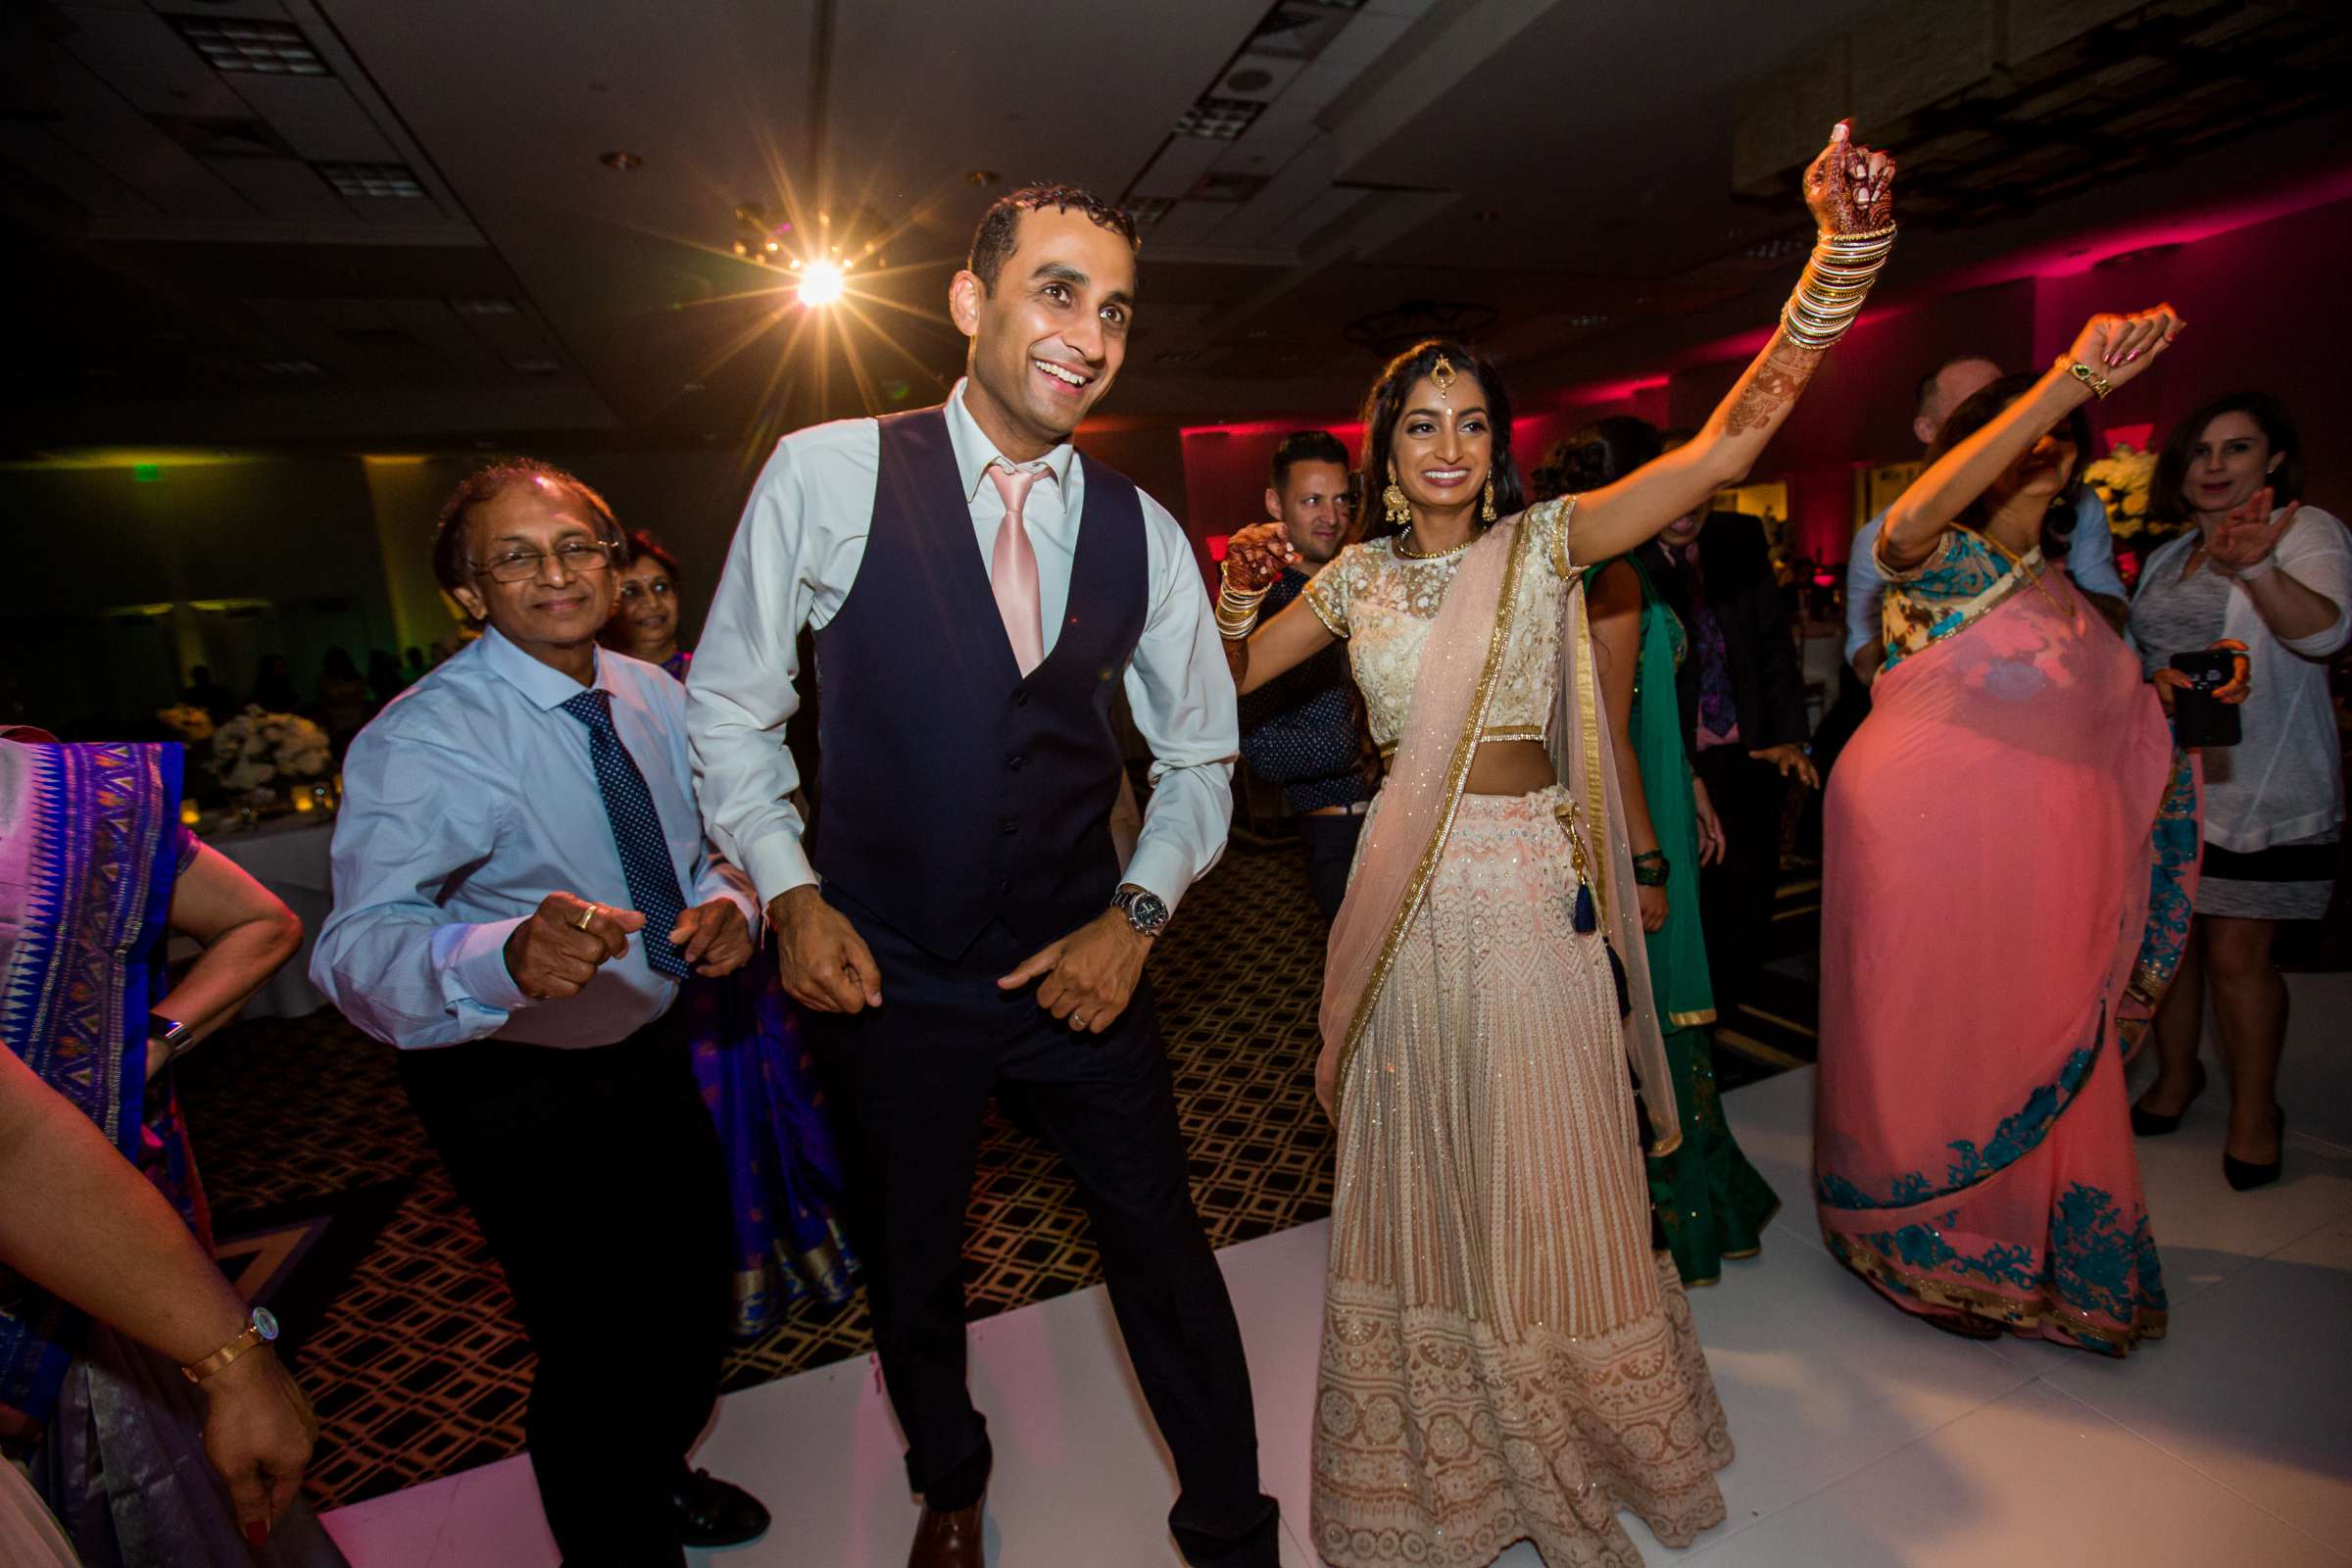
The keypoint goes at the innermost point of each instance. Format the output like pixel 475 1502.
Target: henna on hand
pixel 1849 189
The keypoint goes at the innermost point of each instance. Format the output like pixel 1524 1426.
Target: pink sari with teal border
pixel 2012 843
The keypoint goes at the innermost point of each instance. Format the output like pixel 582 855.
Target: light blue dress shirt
pixel 2090 560
pixel 467 801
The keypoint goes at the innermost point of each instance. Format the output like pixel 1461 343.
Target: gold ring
pixel 586 916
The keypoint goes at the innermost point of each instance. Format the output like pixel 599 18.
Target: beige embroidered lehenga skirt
pixel 1505 1358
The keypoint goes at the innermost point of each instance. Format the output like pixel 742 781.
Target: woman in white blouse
pixel 2272 804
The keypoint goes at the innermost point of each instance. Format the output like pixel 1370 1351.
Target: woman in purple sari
pixel 783 1176
pixel 96 872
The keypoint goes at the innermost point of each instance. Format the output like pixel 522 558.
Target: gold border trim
pixel 1316 605
pixel 1457 773
pixel 1692 1020
pixel 2020 1316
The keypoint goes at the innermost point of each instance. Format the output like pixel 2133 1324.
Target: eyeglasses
pixel 521 566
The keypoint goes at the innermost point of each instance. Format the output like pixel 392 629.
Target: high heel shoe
pixel 2154 1124
pixel 2246 1175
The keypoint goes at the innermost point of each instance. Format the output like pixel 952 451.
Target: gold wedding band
pixel 586 916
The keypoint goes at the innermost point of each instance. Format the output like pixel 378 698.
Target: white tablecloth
pixel 288 856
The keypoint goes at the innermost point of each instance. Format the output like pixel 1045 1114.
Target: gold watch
pixel 260 1330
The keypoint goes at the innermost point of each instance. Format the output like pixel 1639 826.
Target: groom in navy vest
pixel 961 920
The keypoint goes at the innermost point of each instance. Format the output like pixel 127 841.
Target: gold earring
pixel 1393 506
pixel 1485 510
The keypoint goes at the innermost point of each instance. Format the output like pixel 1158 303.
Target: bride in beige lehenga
pixel 1505 1355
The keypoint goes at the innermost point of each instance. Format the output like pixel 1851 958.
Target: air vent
pixel 1219 119
pixel 244 44
pixel 1150 210
pixel 537 367
pixel 360 181
pixel 291 367
pixel 485 307
pixel 1220 188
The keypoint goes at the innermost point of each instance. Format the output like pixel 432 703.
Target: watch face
pixel 266 1321
pixel 1149 909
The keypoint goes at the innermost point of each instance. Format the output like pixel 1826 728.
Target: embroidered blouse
pixel 1960 580
pixel 1383 603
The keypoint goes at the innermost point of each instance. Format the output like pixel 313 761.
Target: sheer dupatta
pixel 1406 835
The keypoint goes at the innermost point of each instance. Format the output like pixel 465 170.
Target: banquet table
pixel 288 856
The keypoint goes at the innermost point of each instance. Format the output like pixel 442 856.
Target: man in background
pixel 1302 730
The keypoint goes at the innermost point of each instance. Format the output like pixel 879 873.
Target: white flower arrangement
pixel 256 747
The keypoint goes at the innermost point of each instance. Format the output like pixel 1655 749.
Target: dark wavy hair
pixel 452 569
pixel 1306 446
pixel 2168 499
pixel 1602 453
pixel 1980 410
pixel 999 233
pixel 1384 406
pixel 643 546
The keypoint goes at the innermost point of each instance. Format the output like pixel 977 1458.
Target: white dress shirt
pixel 795 558
pixel 467 801
pixel 2090 560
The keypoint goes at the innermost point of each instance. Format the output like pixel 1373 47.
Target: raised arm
pixel 1849 190
pixel 2110 351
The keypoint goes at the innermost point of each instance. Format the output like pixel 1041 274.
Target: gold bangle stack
pixel 1237 607
pixel 1836 281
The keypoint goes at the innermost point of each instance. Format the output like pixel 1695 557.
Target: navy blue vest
pixel 953 791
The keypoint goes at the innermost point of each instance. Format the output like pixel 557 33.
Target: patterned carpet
pixel 402 1327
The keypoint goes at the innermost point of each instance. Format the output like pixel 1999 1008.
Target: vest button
pixel 1013 763
pixel 1020 698
pixel 1004 886
pixel 1008 827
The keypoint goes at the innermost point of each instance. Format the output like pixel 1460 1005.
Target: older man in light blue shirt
pixel 522 886
pixel 2090 559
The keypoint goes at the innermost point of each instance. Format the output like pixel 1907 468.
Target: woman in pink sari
pixel 2010 838
pixel 1508 1352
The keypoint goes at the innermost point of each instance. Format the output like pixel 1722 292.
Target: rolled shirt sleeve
pixel 1181 693
pixel 740 693
pixel 2090 549
pixel 389 958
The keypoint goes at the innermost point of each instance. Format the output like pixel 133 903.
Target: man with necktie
pixel 976 588
pixel 520 885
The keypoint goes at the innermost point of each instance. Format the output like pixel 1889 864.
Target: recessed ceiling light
pixel 983 177
pixel 391 180
pixel 1150 210
pixel 243 44
pixel 625 162
pixel 1219 119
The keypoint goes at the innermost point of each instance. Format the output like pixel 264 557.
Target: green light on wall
pixel 146 473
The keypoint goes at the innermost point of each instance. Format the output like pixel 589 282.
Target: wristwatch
pixel 261 1329
pixel 1144 909
pixel 170 1032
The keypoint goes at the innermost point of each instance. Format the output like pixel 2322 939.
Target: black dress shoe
pixel 2153 1124
pixel 713 1512
pixel 2246 1175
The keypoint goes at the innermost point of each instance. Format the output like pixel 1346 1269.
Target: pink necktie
pixel 1013 570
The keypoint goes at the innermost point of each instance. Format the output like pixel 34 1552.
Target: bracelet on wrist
pixel 1835 282
pixel 1651 869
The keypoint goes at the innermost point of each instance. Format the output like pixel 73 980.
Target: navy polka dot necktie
pixel 636 831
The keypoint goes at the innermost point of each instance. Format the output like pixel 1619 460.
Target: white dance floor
pixel 1864 1438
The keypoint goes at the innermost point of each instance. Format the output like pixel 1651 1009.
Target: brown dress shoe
pixel 946 1540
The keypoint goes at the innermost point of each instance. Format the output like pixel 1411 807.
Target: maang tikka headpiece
pixel 1441 376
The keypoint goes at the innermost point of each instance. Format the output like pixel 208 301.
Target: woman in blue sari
pixel 783 1176
pixel 96 872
